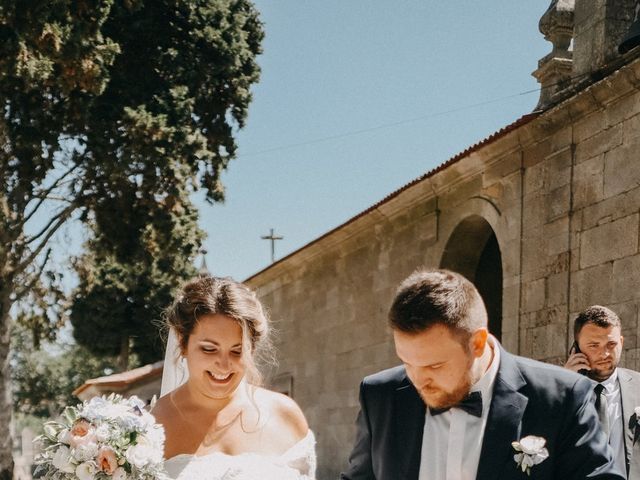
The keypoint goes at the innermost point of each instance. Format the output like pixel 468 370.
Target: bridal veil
pixel 175 371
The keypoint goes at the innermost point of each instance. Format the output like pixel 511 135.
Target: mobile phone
pixel 576 349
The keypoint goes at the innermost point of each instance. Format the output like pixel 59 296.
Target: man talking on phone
pixel 596 353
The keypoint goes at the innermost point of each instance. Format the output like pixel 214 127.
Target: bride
pixel 219 424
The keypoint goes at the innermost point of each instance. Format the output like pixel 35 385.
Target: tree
pixel 43 382
pixel 53 59
pixel 121 294
pixel 103 101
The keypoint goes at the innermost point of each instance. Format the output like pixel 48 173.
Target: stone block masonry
pixel 544 217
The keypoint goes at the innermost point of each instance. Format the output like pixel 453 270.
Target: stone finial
pixel 203 270
pixel 554 69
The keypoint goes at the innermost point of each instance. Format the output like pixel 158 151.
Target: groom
pixel 459 402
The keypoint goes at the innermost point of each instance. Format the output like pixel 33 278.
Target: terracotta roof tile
pixel 123 379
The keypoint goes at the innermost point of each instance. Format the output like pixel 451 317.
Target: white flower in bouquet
pixel 119 474
pixel 103 433
pixel 86 471
pixel 85 452
pixel 63 460
pixel 106 438
pixel 145 451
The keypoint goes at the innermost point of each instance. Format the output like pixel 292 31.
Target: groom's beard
pixel 435 397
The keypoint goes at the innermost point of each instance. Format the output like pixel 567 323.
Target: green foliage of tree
pixel 43 382
pixel 114 111
pixel 118 303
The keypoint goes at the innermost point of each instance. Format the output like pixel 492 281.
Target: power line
pixel 385 125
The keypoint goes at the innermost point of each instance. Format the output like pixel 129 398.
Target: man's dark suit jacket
pixel 630 396
pixel 529 398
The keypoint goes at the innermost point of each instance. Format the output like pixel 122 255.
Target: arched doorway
pixel 473 251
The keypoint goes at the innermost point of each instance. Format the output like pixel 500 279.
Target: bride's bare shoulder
pixel 284 412
pixel 179 435
pixel 163 410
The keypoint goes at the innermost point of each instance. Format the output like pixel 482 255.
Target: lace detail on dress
pixel 297 463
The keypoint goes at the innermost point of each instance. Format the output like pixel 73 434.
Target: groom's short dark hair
pixel 437 297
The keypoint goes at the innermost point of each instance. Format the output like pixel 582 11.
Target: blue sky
pixel 356 99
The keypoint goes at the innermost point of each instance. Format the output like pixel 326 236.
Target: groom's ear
pixel 478 341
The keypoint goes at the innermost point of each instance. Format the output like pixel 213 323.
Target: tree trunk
pixel 6 443
pixel 123 358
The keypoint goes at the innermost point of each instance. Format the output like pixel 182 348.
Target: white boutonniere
pixel 637 412
pixel 530 451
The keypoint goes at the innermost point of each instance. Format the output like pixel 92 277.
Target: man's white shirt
pixel 614 413
pixel 452 440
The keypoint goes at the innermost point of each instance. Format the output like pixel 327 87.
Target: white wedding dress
pixel 297 463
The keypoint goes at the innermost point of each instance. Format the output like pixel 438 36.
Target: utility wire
pixel 384 125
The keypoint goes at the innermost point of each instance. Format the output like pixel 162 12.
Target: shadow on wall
pixel 473 251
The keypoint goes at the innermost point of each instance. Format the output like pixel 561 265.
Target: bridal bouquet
pixel 106 438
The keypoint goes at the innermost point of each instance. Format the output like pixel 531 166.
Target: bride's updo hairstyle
pixel 207 295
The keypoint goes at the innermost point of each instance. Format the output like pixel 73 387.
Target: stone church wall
pixel 560 191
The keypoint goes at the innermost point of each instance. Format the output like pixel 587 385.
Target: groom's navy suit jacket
pixel 529 398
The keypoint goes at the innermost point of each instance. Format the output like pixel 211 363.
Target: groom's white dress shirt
pixel 452 440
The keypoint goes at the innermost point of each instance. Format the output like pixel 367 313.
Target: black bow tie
pixel 472 404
